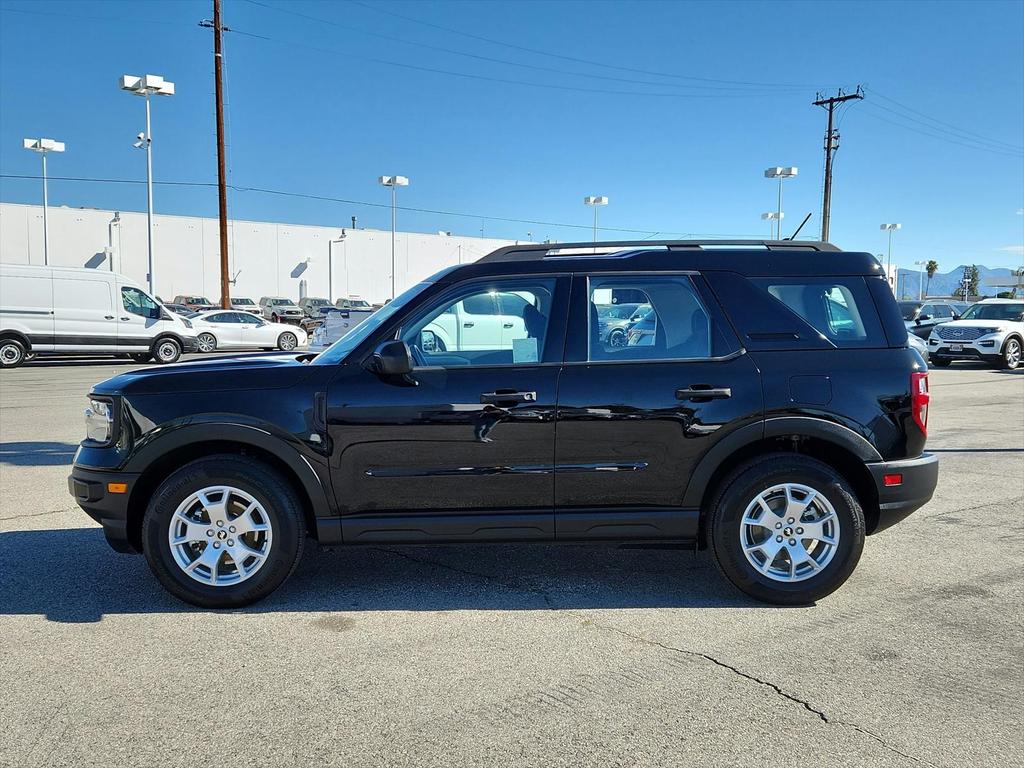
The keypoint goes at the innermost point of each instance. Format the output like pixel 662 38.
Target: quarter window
pixel 670 321
pixel 830 306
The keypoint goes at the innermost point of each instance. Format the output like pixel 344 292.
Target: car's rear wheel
pixel 1011 353
pixel 207 342
pixel 12 353
pixel 939 362
pixel 166 351
pixel 287 341
pixel 223 532
pixel 786 529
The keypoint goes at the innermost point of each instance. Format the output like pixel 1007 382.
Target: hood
pixel 270 371
pixel 975 324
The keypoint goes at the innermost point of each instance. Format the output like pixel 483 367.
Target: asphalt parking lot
pixel 525 656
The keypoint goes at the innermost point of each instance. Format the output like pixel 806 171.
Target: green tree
pixel 931 268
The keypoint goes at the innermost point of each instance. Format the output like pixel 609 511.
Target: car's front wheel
pixel 166 351
pixel 223 531
pixel 617 338
pixel 207 342
pixel 12 353
pixel 1011 353
pixel 287 341
pixel 786 529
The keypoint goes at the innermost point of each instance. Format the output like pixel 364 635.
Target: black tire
pixel 1011 356
pixel 939 362
pixel 12 353
pixel 141 357
pixel 742 486
pixel 287 341
pixel 209 340
pixel 166 350
pixel 275 319
pixel 257 479
pixel 617 338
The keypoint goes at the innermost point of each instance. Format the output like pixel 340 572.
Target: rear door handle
pixel 108 317
pixel 506 325
pixel 508 397
pixel 700 392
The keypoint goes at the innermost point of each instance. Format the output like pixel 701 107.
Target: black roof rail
pixel 532 252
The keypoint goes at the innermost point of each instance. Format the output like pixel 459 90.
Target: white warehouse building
pixel 265 258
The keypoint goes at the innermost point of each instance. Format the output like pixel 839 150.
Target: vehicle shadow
pixel 71 575
pixel 37 454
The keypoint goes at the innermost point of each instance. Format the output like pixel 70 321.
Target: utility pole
pixel 222 181
pixel 831 145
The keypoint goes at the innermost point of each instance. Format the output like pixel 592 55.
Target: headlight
pixel 187 322
pixel 99 421
pixel 987 331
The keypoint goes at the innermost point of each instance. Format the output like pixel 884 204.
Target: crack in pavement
pixel 820 714
pixel 36 514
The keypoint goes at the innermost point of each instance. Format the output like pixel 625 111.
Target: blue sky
pixel 672 110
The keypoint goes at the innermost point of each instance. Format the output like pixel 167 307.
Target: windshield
pixel 909 309
pixel 318 302
pixel 993 312
pixel 242 301
pixel 340 349
pixel 619 311
pixel 200 300
pixel 282 303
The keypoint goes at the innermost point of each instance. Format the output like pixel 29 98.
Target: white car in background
pixel 991 330
pixel 229 329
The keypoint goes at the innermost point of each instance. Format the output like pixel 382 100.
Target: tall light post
pixel 330 265
pixel 394 182
pixel 920 281
pixel 44 146
pixel 771 217
pixel 596 202
pixel 890 228
pixel 147 86
pixel 780 173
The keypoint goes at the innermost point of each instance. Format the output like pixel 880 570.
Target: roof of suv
pixel 750 257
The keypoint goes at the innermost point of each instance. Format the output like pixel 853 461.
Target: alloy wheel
pixel 789 532
pixel 207 343
pixel 288 341
pixel 1012 353
pixel 220 535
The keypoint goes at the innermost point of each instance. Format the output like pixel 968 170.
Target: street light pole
pixel 147 86
pixel 43 146
pixel 595 201
pixel 394 182
pixel 890 228
pixel 920 281
pixel 780 173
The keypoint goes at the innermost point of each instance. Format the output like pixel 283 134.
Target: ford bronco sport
pixel 776 417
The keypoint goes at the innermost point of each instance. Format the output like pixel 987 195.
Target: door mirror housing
pixel 923 317
pixel 392 358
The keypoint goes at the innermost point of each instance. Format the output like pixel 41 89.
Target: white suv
pixel 991 330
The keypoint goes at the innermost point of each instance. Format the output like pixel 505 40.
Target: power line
pixel 941 137
pixel 588 62
pixel 507 81
pixel 479 57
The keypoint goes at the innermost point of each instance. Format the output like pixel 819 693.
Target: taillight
pixel 919 398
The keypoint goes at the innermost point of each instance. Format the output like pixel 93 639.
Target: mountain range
pixel 945 283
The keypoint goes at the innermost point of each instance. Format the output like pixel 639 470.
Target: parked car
pixel 195 303
pixel 333 327
pixel 920 317
pixel 63 310
pixel 613 320
pixel 640 331
pixel 759 424
pixel 223 329
pixel 311 306
pixel 245 305
pixel 918 344
pixel 356 303
pixel 991 330
pixel 280 310
pixel 180 309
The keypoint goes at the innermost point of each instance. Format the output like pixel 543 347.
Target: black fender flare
pixel 282 447
pixel 22 338
pixel 806 426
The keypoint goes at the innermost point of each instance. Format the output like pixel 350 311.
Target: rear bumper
pixel 110 510
pixel 918 480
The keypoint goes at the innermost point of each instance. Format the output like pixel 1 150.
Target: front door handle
pixel 506 325
pixel 508 397
pixel 468 325
pixel 703 392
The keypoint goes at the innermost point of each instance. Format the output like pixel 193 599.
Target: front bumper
pixel 895 502
pixel 189 344
pixel 984 348
pixel 89 489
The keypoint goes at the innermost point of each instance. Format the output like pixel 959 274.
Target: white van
pixel 66 310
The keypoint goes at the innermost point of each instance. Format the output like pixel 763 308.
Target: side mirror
pixel 956 315
pixel 392 358
pixel 923 317
pixel 428 341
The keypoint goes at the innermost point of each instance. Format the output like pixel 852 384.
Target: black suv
pixel 773 414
